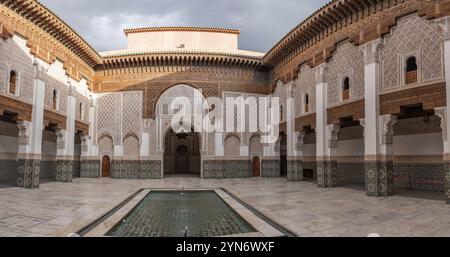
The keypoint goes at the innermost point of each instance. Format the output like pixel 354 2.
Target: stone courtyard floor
pixel 57 209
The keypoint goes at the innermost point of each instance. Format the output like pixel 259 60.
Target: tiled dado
pixel 124 169
pixel 90 169
pixel 64 171
pixel 327 173
pixel 295 170
pixel 270 168
pixel 220 169
pixel 447 181
pixel 424 177
pixel 379 178
pixel 28 173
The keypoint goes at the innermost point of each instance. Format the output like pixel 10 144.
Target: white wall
pixel 351 147
pixel 424 144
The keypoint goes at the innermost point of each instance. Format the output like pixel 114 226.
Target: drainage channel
pixel 279 227
pixel 98 221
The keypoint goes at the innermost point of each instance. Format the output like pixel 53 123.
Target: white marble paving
pixel 57 209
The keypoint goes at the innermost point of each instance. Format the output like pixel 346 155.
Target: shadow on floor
pixel 355 187
pixel 438 196
pixel 7 184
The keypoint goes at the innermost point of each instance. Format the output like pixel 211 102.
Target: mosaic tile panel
pixel 123 169
pixel 8 170
pixel 28 172
pixel 327 174
pixel 351 174
pixel 295 170
pixel 90 169
pixel 379 178
pixel 422 177
pixel 64 171
pixel 447 181
pixel 270 168
pixel 219 169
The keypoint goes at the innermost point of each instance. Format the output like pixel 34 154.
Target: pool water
pixel 168 213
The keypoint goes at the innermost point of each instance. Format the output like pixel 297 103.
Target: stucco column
pixel 294 162
pixel 66 141
pixel 445 22
pixel 325 134
pixel 30 137
pixel 378 130
pixel 90 163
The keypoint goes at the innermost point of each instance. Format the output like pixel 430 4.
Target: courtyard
pixel 59 209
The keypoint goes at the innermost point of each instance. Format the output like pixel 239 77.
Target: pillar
pixel 446 130
pixel 30 138
pixel 294 161
pixel 378 130
pixel 90 163
pixel 326 135
pixel 66 141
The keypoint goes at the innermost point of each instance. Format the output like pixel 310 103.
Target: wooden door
pixel 256 167
pixel 106 166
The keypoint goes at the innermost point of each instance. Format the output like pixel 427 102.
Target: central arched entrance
pixel 182 154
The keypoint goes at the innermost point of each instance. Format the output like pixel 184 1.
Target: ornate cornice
pixel 188 29
pixel 45 19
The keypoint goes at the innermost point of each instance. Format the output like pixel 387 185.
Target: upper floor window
pixel 306 103
pixel 55 99
pixel 13 82
pixel 411 70
pixel 81 111
pixel 346 89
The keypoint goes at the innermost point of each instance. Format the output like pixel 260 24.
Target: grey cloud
pixel 262 22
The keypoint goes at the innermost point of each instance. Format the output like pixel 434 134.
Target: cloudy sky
pixel 262 22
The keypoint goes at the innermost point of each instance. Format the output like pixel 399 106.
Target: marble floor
pixel 57 209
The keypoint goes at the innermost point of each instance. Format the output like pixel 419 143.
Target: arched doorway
pixel 106 166
pixel 182 154
pixel 256 167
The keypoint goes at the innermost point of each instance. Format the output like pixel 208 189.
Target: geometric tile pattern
pixel 64 171
pixel 270 168
pixel 221 169
pixel 28 173
pixel 125 169
pixel 379 178
pixel 90 168
pixel 295 170
pixel 327 174
pixel 423 177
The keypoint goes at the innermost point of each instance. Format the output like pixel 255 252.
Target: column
pixel 90 163
pixel 295 162
pixel 30 138
pixel 446 131
pixel 294 166
pixel 378 130
pixel 66 141
pixel 326 135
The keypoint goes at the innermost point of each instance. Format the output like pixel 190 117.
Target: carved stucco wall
pixel 108 116
pixel 280 92
pixel 412 36
pixel 347 61
pixel 62 89
pixel 305 84
pixel 105 146
pixel 132 113
pixel 232 145
pixel 255 145
pixel 86 104
pixel 131 146
pixel 12 57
